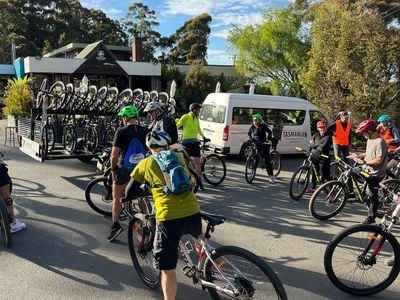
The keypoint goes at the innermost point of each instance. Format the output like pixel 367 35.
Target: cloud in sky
pixel 172 14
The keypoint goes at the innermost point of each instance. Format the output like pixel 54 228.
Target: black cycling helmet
pixel 194 106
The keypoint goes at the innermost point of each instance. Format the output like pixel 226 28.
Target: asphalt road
pixel 63 254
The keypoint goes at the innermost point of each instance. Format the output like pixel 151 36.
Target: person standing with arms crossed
pixel 341 140
pixel 120 174
pixel 176 214
pixel 191 129
pixel 341 135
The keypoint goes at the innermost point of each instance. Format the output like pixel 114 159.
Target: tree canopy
pixel 354 62
pixel 139 23
pixel 274 51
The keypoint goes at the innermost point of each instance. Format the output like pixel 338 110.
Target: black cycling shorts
pixel 122 176
pixel 192 148
pixel 167 237
pixel 4 177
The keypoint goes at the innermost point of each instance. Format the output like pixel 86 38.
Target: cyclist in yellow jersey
pixel 191 130
pixel 176 215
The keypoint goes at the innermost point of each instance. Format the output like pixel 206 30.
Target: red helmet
pixel 366 125
pixel 322 124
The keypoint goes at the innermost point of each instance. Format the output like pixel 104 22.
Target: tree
pixel 354 61
pixel 191 41
pixel 197 85
pixel 139 23
pixel 17 97
pixel 10 22
pixel 274 51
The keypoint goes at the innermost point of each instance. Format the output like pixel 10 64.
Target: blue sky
pixel 172 14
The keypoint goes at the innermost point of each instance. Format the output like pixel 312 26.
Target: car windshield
pixel 213 113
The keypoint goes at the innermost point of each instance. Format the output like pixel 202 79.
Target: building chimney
pixel 137 49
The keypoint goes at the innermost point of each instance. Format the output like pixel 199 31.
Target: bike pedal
pixel 188 271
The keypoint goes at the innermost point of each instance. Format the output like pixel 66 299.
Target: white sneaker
pixel 272 179
pixel 17 226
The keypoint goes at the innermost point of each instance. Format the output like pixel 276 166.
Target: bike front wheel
pixel 213 169
pixel 299 182
pixel 140 239
pixel 276 162
pixel 386 202
pixel 355 259
pixel 4 224
pixel 328 200
pixel 251 168
pixel 98 194
pixel 246 276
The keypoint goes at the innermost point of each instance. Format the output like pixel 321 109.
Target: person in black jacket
pixel 259 133
pixel 320 143
pixel 159 122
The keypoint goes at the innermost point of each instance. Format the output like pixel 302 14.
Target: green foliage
pixel 139 23
pixel 191 41
pixel 41 25
pixel 274 50
pixel 17 97
pixel 196 85
pixel 354 61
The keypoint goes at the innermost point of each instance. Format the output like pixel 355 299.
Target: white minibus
pixel 226 117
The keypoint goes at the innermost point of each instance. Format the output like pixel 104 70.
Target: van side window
pixel 241 115
pixel 286 117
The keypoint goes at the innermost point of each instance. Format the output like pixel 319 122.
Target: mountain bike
pixel 302 176
pixel 98 192
pixel 355 258
pixel 213 168
pixel 227 271
pixel 331 197
pixel 255 157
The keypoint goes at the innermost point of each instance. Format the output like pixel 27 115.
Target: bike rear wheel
pixel 4 224
pixel 328 200
pixel 355 262
pixel 276 162
pixel 251 168
pixel 213 169
pixel 249 274
pixel 98 194
pixel 299 182
pixel 140 239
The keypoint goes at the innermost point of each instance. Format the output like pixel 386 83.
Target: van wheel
pixel 245 151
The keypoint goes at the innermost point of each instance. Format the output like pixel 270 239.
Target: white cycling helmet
pixel 153 105
pixel 157 139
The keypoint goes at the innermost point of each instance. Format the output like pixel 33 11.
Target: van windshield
pixel 213 113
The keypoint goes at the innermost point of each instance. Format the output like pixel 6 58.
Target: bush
pixel 18 97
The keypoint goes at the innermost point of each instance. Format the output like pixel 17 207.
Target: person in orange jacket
pixel 341 135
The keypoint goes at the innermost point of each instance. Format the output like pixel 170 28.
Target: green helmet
pixel 129 111
pixel 258 117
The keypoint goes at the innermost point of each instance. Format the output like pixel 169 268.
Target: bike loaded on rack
pixel 67 122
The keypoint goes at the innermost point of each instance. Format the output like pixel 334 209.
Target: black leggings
pixel 264 148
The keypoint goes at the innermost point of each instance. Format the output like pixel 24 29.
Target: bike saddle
pixel 213 220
